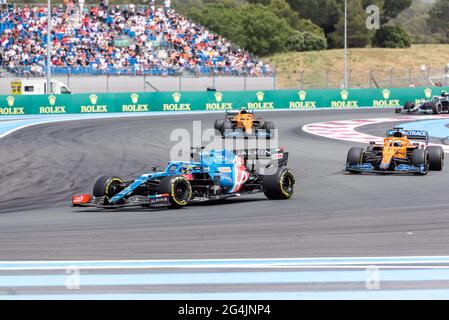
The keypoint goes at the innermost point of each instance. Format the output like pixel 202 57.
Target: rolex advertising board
pixel 138 102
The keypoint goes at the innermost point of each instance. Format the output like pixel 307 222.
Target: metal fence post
pixel 301 80
pixel 391 77
pixel 410 72
pixel 144 82
pixel 244 82
pixel 274 82
pixel 180 82
pixel 349 79
pixel 371 78
pixel 446 79
pixel 107 83
pixel 326 79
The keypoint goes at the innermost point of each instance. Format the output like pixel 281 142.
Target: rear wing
pixel 411 134
pixel 277 157
pixel 235 112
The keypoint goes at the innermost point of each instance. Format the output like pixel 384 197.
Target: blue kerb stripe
pixel 9 125
pixel 15 122
pixel 435 128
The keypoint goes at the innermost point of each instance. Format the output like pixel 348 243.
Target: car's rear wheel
pixel 107 186
pixel 408 106
pixel 436 158
pixel 280 185
pixel 227 125
pixel 218 125
pixel 179 190
pixel 269 125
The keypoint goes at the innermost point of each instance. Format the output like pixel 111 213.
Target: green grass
pixel 315 65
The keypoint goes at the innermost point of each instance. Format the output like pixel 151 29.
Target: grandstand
pixel 117 40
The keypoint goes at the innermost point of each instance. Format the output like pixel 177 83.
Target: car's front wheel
pixel 354 158
pixel 436 158
pixel 420 158
pixel 107 186
pixel 179 190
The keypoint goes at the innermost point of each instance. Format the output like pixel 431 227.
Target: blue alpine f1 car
pixel 218 174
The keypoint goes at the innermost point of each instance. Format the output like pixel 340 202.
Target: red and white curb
pixel 346 129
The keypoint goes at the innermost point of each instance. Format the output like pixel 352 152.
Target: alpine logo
pixel 240 174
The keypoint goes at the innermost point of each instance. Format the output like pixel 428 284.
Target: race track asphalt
pixel 331 214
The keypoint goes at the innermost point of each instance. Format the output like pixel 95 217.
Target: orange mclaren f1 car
pixel 397 154
pixel 242 124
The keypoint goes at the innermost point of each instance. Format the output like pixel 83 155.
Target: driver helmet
pixel 186 169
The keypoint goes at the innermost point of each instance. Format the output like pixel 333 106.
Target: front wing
pixel 400 169
pixel 239 133
pixel 154 201
pixel 88 201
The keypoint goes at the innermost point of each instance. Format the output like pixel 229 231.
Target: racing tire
pixel 227 125
pixel 408 106
pixel 280 185
pixel 419 158
pixel 179 190
pixel 269 125
pixel 218 125
pixel 107 187
pixel 227 128
pixel 437 107
pixel 436 158
pixel 355 156
pixel 398 110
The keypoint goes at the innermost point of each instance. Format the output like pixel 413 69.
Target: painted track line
pixel 49 280
pixel 222 263
pixel 224 278
pixel 423 294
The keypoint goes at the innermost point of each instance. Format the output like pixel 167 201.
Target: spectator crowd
pixel 117 40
